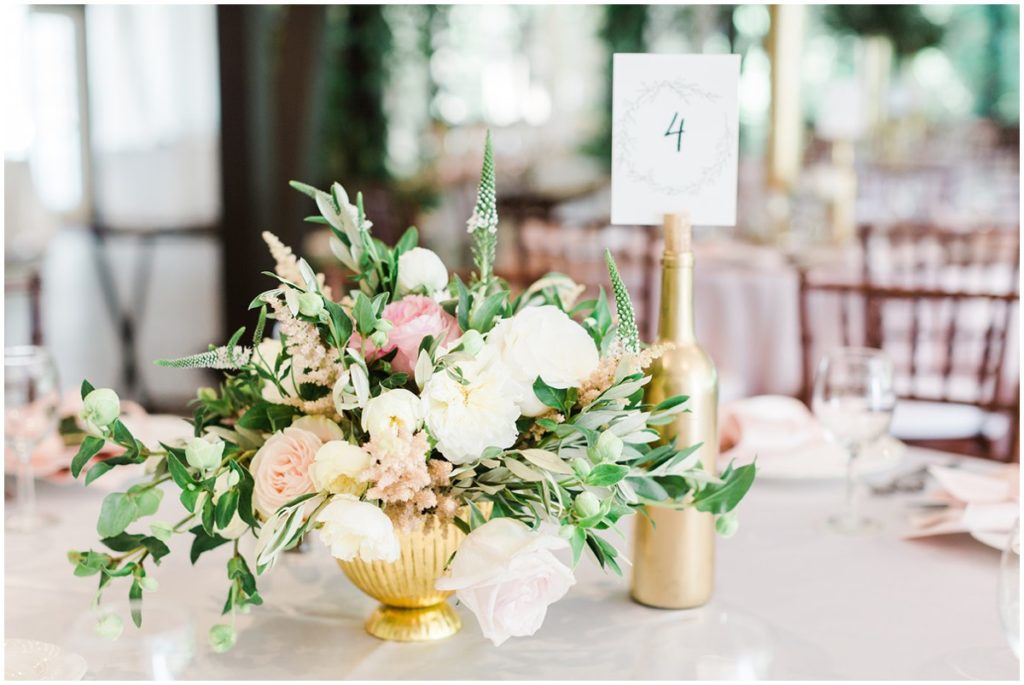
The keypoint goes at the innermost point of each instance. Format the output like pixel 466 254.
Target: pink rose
pixel 507 576
pixel 281 469
pixel 413 318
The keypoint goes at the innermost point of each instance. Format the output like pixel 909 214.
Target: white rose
pixel 420 269
pixel 466 419
pixel 542 341
pixel 507 576
pixel 320 426
pixel 337 466
pixel 351 529
pixel 390 412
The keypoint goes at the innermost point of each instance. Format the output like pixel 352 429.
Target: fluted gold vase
pixel 411 609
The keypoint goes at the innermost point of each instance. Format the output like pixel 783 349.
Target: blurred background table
pixel 792 601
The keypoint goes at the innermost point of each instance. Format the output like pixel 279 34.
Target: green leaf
pixel 147 501
pixel 408 241
pixel 551 397
pixel 364 314
pixel 86 388
pixel 648 489
pixel 341 325
pixel 123 436
pixel 97 470
pixel 90 448
pixel 203 542
pixel 671 402
pixel 158 549
pixel 628 332
pixel 462 308
pixel 179 472
pixel 225 508
pixel 721 498
pixel 604 475
pixel 576 542
pixel 675 487
pixel 265 416
pixel 245 487
pixel 485 313
pixel 135 596
pixel 123 542
pixel 117 512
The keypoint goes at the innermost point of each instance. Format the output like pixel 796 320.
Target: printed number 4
pixel 678 133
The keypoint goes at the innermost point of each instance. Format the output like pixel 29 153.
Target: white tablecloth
pixel 793 600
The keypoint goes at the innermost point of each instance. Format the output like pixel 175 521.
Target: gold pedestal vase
pixel 411 609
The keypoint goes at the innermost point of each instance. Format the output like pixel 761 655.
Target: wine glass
pixel 854 400
pixel 1009 589
pixel 31 398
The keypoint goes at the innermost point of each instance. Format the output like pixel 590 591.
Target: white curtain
pixel 154 103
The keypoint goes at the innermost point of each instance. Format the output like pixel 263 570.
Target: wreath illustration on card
pixel 697 127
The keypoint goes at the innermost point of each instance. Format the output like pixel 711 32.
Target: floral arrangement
pixel 410 401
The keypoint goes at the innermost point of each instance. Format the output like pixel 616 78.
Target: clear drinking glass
pixel 854 399
pixel 1009 589
pixel 31 398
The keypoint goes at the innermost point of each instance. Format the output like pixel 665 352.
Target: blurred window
pixel 45 107
pixel 154 104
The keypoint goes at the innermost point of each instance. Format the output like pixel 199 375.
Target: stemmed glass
pixel 854 400
pixel 1009 589
pixel 31 398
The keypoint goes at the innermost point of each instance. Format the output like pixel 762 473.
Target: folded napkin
pixel 986 505
pixel 788 442
pixel 51 459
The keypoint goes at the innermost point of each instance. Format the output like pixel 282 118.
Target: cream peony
pixel 421 270
pixel 542 341
pixel 281 469
pixel 391 411
pixel 507 576
pixel 320 426
pixel 466 418
pixel 351 529
pixel 337 466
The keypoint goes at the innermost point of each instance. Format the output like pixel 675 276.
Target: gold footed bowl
pixel 411 609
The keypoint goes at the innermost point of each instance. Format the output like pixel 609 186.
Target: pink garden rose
pixel 413 318
pixel 507 575
pixel 281 469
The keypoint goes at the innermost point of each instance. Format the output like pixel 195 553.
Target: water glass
pixel 31 399
pixel 1009 589
pixel 854 399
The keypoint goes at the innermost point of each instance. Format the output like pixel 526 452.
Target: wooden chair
pixel 947 347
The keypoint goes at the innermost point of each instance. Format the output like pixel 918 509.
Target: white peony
pixel 542 341
pixel 421 270
pixel 266 356
pixel 390 412
pixel 352 529
pixel 337 466
pixel 507 576
pixel 466 418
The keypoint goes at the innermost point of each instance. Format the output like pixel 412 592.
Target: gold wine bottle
pixel 673 559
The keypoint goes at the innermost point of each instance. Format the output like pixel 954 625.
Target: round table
pixel 792 601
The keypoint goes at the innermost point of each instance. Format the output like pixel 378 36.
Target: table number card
pixel 674 138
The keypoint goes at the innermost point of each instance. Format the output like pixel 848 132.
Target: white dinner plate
pixel 823 460
pixel 996 539
pixel 35 660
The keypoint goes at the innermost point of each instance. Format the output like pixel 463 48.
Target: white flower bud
pixel 608 448
pixel 421 270
pixel 203 454
pixel 586 504
pixel 311 304
pixel 101 407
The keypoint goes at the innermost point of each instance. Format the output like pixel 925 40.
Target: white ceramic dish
pixel 35 660
pixel 823 460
